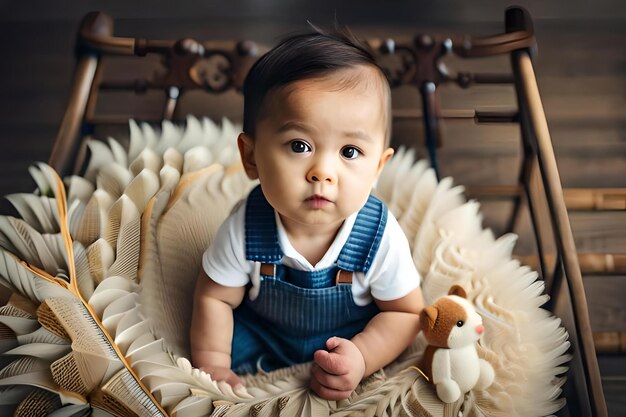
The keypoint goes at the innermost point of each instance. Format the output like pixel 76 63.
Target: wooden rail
pixel 590 263
pixel 610 342
pixel 593 199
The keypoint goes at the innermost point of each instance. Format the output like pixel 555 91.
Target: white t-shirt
pixel 392 274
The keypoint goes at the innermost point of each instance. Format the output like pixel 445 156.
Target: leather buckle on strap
pixel 268 269
pixel 343 277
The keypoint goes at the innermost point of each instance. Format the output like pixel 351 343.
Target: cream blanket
pixel 105 266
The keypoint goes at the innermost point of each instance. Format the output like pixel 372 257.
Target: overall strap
pixel 364 240
pixel 261 233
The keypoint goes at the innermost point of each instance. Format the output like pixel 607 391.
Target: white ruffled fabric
pixel 105 266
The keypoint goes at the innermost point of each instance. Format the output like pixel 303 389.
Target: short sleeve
pixel 225 259
pixel 393 274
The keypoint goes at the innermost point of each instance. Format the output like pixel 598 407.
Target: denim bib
pixel 296 311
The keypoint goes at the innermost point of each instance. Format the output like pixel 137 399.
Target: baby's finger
pixel 328 393
pixel 333 342
pixel 331 362
pixel 234 381
pixel 335 382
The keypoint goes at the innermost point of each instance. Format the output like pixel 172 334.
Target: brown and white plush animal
pixel 452 327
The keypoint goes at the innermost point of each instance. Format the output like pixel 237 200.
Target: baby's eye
pixel 460 323
pixel 350 152
pixel 300 146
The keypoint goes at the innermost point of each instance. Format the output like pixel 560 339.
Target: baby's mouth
pixel 317 201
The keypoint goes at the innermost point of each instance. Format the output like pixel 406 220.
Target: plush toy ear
pixel 458 291
pixel 431 314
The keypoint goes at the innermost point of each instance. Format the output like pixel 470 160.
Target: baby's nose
pixel 480 329
pixel 321 172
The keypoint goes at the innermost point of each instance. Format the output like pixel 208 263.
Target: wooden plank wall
pixel 581 70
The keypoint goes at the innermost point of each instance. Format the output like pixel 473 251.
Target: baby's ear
pixel 245 143
pixel 458 291
pixel 386 155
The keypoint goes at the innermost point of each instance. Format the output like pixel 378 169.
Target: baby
pixel 310 267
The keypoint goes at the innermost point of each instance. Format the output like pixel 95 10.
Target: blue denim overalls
pixel 295 311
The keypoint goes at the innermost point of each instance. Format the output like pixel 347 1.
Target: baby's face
pixel 319 148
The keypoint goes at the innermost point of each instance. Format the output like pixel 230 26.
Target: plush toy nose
pixel 480 329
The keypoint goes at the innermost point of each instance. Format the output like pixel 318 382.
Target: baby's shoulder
pixel 392 229
pixel 239 206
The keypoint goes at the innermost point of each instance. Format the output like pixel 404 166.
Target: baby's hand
pixel 336 373
pixel 222 373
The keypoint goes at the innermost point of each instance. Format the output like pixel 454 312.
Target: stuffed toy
pixel 452 327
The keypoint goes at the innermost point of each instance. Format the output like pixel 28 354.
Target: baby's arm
pixel 212 327
pixel 335 373
pixel 390 331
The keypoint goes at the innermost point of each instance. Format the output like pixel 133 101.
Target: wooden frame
pixel 538 189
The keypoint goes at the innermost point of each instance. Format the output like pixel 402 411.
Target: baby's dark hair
pixel 305 56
